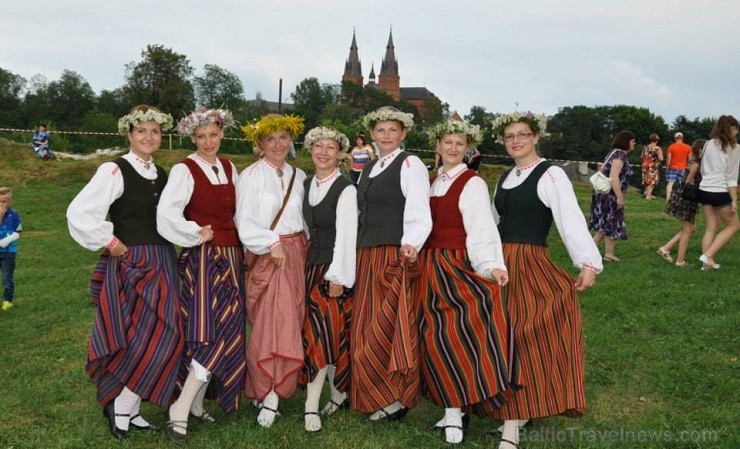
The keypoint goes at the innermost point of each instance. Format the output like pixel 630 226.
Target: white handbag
pixel 601 182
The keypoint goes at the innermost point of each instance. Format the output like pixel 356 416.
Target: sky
pixel 677 57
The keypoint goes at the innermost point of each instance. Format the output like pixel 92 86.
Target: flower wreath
pixel 388 113
pixel 272 123
pixel 142 114
pixel 204 117
pixel 538 122
pixel 324 132
pixel 472 132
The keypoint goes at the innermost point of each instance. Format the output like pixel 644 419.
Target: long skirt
pixel 275 312
pixel 546 317
pixel 385 331
pixel 136 341
pixel 467 343
pixel 326 329
pixel 213 307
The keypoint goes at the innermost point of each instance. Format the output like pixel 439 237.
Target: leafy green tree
pixel 310 98
pixel 479 116
pixel 218 88
pixel 11 86
pixel 161 79
pixel 435 111
pixel 699 128
pixel 36 104
pixel 101 122
pixel 113 102
pixel 70 98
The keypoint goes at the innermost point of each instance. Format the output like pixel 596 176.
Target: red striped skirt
pixel 326 329
pixel 546 317
pixel 136 341
pixel 466 337
pixel 275 312
pixel 213 307
pixel 384 339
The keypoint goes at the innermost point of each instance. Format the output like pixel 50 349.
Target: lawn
pixel 661 344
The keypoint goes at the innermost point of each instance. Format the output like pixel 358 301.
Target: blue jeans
pixel 7 266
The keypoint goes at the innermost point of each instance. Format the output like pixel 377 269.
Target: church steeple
pixel 353 67
pixel 371 77
pixel 389 81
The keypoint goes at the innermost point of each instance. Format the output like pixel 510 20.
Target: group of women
pixel 714 167
pixel 379 288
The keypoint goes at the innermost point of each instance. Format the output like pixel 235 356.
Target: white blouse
pixel 171 222
pixel 417 217
pixel 86 214
pixel 719 170
pixel 342 268
pixel 483 241
pixel 259 196
pixel 555 191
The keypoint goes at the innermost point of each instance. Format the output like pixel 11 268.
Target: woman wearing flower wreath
pixel 136 342
pixel 394 222
pixel 196 212
pixel 269 220
pixel 541 297
pixel 468 358
pixel 652 157
pixel 330 212
pixel 607 209
pixel 718 188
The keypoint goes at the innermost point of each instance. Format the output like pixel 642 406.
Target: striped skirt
pixel 467 346
pixel 326 330
pixel 136 341
pixel 384 340
pixel 213 307
pixel 546 317
pixel 275 311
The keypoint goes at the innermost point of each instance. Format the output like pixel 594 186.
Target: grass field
pixel 661 344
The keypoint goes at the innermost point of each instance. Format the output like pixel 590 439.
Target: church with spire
pixel 388 80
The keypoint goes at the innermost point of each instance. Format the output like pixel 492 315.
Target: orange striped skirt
pixel 384 340
pixel 466 337
pixel 546 317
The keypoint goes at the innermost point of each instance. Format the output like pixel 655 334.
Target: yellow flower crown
pixel 272 123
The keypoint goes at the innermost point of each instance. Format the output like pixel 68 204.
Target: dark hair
pixel 622 140
pixel 654 137
pixel 721 131
pixel 361 137
pixel 696 148
pixel 42 124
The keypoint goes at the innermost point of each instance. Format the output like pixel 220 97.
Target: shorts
pixel 717 200
pixel 674 174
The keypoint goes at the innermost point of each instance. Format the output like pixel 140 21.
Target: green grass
pixel 661 344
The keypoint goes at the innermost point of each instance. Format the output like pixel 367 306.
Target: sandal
pixel 681 264
pixel 205 417
pixel 513 444
pixel 332 407
pixel 665 254
pixel 306 424
pixel 611 259
pixel 175 436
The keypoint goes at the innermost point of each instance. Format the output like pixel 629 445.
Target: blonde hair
pixel 6 191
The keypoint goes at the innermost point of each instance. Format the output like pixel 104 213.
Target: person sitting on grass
pixel 40 143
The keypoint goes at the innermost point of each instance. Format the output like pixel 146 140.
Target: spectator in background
pixel 677 158
pixel 40 143
pixel 361 154
pixel 652 156
pixel 472 158
pixel 10 231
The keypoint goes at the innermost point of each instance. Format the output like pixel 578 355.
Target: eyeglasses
pixel 520 136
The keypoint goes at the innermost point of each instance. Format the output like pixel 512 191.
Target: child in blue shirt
pixel 10 232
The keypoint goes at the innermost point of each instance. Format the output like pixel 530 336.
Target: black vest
pixel 381 204
pixel 321 220
pixel 524 218
pixel 134 214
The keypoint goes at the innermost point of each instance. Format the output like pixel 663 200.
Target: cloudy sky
pixel 678 57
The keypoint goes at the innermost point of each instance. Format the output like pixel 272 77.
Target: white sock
pixel 267 417
pixel 385 411
pixel 197 407
pixel 511 432
pixel 181 407
pixel 313 395
pixel 136 418
pixel 453 417
pixel 124 405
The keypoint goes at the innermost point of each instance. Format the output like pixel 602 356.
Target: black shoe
pixel 465 424
pixel 336 407
pixel 175 436
pixel 110 413
pixel 462 429
pixel 395 416
pixel 317 414
pixel 150 427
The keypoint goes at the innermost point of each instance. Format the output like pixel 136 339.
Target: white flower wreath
pixel 138 116
pixel 538 122
pixel 387 113
pixel 324 132
pixel 204 117
pixel 456 127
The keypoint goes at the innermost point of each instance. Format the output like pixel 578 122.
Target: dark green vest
pixel 381 204
pixel 134 214
pixel 524 218
pixel 321 220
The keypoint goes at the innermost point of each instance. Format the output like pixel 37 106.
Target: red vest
pixel 213 205
pixel 448 230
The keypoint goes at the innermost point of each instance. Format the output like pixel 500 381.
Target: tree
pixel 699 128
pixel 435 111
pixel 113 102
pixel 70 98
pixel 161 79
pixel 36 103
pixel 310 98
pixel 218 88
pixel 479 116
pixel 11 86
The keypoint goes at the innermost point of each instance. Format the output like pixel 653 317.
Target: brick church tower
pixel 389 81
pixel 353 67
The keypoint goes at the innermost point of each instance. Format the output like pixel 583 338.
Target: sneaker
pixel 7 305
